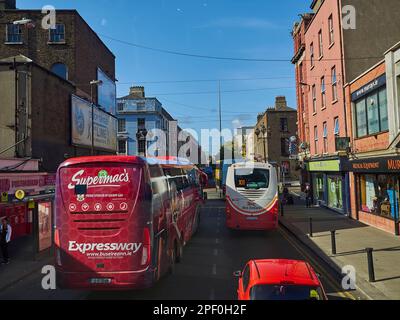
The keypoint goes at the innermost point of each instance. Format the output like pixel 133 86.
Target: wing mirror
pixel 237 274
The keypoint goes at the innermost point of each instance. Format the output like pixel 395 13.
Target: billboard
pixel 106 92
pixel 105 126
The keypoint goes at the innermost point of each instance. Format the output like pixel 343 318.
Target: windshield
pixel 252 179
pixel 285 292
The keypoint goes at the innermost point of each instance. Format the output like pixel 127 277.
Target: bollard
pixel 333 238
pixel 371 270
pixel 311 228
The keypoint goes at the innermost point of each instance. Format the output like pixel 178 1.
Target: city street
pixel 206 270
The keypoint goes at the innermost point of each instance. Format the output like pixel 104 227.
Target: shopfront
pixel 329 184
pixel 22 195
pixel 377 184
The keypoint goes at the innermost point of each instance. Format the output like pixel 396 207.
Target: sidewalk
pixel 352 237
pixel 23 263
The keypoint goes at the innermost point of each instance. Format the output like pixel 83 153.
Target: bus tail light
pixel 57 238
pixel 146 253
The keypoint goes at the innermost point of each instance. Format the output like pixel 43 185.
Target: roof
pixel 102 159
pixel 279 271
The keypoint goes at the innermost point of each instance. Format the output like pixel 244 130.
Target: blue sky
pixel 231 28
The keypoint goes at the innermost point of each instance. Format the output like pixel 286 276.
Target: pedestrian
pixel 308 193
pixel 5 237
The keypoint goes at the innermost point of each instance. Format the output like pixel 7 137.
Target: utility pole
pixel 222 156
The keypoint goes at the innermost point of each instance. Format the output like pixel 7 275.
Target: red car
pixel 279 280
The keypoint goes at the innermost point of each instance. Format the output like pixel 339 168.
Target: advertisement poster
pixel 370 190
pixel 45 223
pixel 106 92
pixel 105 126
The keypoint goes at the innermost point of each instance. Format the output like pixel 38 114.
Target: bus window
pixel 248 178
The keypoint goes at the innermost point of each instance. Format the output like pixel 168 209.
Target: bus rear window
pixel 252 178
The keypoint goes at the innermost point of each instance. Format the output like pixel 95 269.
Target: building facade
pixel 339 44
pixel 374 163
pixel 138 117
pixel 73 50
pixel 272 134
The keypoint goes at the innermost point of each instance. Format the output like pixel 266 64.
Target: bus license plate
pixel 100 281
pixel 252 218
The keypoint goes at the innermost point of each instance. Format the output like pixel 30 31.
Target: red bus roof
pixel 285 272
pixel 96 159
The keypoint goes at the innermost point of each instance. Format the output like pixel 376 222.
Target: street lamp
pixel 93 83
pixel 263 131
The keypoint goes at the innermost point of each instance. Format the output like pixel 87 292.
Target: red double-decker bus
pixel 121 222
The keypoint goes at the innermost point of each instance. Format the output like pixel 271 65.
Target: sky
pixel 248 29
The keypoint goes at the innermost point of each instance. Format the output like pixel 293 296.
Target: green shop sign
pixel 329 165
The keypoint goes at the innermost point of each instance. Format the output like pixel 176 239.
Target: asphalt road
pixel 206 270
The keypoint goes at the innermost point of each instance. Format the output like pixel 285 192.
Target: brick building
pixel 329 54
pixel 275 128
pixel 43 69
pixel 73 50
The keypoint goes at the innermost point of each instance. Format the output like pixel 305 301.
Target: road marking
pixel 216 252
pixel 329 278
pixel 214 270
pixel 216 241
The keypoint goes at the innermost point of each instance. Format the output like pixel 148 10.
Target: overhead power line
pixel 201 56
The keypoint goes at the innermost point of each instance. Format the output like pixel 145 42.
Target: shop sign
pixel 31 183
pixel 20 194
pixel 329 165
pixel 378 165
pixel 363 91
pixel 4 197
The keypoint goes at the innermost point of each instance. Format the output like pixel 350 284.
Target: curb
pixel 370 293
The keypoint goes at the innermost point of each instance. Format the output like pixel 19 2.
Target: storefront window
pixel 379 194
pixel 335 195
pixel 319 187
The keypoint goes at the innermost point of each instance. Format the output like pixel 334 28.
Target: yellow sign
pixel 31 205
pixel 20 194
pixel 4 197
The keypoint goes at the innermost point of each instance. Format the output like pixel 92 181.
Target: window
pixel 336 125
pixel 121 106
pixel 142 147
pixel 316 139
pixel 246 278
pixel 314 98
pixel 60 69
pixel 57 35
pixel 122 147
pixel 379 194
pixel 121 125
pixel 320 44
pixel 312 54
pixel 331 32
pixel 323 93
pixel 141 122
pixel 325 136
pixel 284 125
pixel 284 147
pixel 14 34
pixel 371 114
pixel 334 85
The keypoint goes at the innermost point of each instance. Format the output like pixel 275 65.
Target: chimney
pixel 8 5
pixel 280 103
pixel 137 92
